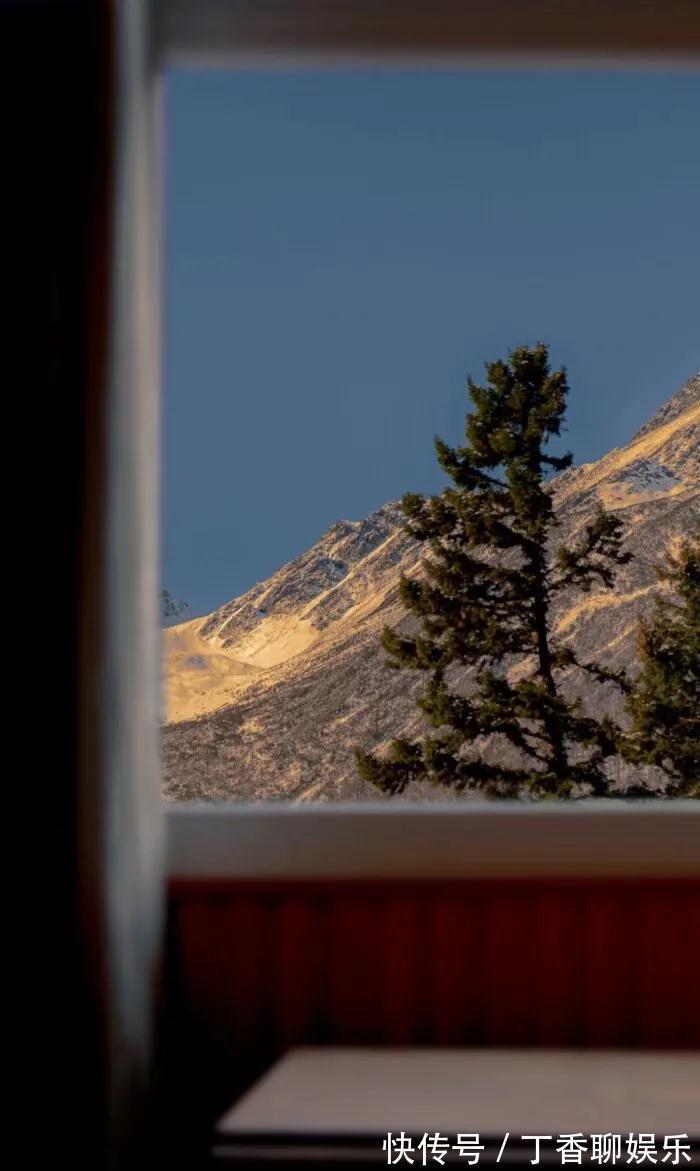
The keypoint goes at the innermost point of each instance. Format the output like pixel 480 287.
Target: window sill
pixel 402 840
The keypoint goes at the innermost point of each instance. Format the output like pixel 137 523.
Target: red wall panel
pixel 256 967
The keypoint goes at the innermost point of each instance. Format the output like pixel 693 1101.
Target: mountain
pixel 268 695
pixel 172 610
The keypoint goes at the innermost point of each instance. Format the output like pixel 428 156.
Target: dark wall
pixel 61 105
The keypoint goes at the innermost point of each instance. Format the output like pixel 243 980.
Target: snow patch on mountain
pixel 643 479
pixel 645 475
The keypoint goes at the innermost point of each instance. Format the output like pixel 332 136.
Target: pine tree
pixel 486 597
pixel 665 702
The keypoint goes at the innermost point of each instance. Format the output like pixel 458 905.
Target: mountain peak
pixel 172 610
pixel 688 396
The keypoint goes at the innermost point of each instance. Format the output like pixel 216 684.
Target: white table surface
pixel 364 1091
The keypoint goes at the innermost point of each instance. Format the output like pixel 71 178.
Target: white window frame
pixel 399 839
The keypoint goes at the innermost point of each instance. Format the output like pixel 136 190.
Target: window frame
pixel 397 838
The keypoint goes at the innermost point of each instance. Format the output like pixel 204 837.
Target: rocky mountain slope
pixel 268 695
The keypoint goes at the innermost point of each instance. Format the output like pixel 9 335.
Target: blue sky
pixel 343 247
